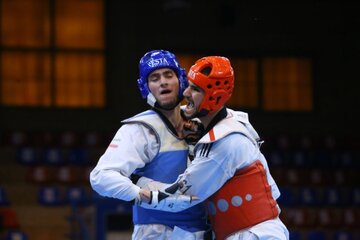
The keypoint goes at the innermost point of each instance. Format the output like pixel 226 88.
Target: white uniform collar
pixel 235 122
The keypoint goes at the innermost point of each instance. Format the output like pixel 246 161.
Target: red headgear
pixel 215 76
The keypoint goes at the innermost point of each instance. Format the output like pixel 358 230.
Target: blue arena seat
pixel 79 156
pixel 309 196
pixel 299 159
pixel 15 234
pixel 27 155
pixel 302 152
pixel 50 196
pixel 336 196
pixel 276 159
pixel 77 195
pixel 4 200
pixel 347 159
pixel 295 235
pixel 316 235
pixel 355 197
pixel 53 156
pixel 342 235
pixel 288 197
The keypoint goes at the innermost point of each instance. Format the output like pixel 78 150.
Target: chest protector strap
pixel 242 202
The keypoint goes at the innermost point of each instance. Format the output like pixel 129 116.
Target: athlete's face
pixel 164 85
pixel 194 96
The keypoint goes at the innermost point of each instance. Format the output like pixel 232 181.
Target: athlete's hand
pixel 148 183
pixel 193 131
pixel 164 201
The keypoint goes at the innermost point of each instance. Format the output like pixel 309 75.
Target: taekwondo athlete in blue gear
pixel 151 144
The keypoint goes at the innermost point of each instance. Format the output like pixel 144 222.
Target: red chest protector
pixel 244 201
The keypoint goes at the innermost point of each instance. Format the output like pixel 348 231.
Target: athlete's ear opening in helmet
pixel 206 71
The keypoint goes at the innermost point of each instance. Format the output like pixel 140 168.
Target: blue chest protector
pixel 170 161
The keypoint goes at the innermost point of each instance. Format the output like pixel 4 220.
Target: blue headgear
pixel 154 60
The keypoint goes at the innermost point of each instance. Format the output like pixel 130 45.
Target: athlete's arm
pixel 132 147
pixel 215 163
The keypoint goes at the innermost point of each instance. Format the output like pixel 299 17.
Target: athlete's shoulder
pixel 222 129
pixel 140 116
pixel 238 115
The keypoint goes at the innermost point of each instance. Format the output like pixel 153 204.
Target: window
pixel 187 60
pixel 52 53
pixel 246 87
pixel 287 84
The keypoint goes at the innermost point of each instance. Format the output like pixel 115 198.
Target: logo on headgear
pixel 191 74
pixel 156 62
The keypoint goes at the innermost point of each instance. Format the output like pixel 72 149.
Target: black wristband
pixel 162 196
pixel 135 178
pixel 173 188
pixel 151 197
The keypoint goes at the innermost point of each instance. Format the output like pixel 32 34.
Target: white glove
pixel 167 202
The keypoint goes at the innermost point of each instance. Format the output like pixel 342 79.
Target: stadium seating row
pixel 46 138
pixel 319 234
pixel 324 217
pixel 329 196
pixel 68 174
pixel 56 156
pixel 294 177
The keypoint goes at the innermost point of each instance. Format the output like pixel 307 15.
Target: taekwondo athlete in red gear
pixel 151 144
pixel 229 172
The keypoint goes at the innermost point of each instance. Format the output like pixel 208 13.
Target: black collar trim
pixel 218 117
pixel 166 121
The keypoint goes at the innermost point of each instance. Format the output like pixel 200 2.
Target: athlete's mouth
pixel 165 91
pixel 190 104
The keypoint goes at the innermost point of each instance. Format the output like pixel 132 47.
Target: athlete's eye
pixel 195 89
pixel 168 74
pixel 154 77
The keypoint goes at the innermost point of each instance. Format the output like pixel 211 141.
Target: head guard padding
pixel 215 76
pixel 154 60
